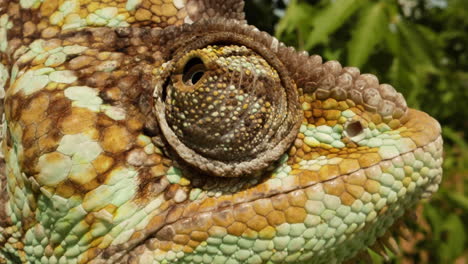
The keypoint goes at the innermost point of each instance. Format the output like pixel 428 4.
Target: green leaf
pixel 455 137
pixel 455 237
pixel 435 218
pixel 296 17
pixel 459 200
pixel 369 31
pixel 415 48
pixel 330 19
pixel 295 22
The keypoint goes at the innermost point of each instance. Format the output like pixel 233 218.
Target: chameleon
pixel 171 131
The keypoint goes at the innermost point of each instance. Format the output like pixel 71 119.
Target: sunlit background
pixel 421 48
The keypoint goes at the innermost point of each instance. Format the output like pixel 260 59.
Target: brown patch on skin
pixel 150 187
pixel 31 154
pixel 171 191
pixel 43 127
pixel 48 142
pixel 29 135
pixel 81 189
pixel 78 121
pixel 116 139
pixel 58 105
pixel 35 110
pixel 13 112
pixel 104 120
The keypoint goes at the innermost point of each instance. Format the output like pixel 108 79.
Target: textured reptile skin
pixel 170 131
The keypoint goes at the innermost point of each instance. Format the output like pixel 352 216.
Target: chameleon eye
pixel 226 109
pixel 193 71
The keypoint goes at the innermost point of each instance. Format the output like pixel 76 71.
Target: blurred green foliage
pixel 421 48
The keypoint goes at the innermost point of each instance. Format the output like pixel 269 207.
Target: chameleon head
pixel 357 160
pixel 203 143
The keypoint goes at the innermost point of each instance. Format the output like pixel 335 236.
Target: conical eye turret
pixel 225 109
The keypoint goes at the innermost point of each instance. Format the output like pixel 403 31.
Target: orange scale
pixel 308 177
pixel 244 212
pixel 223 218
pixel 199 236
pixel 355 190
pixel 237 228
pixel 257 223
pixel 280 202
pixel 335 187
pixel 372 186
pixel 347 199
pixel 369 159
pixel 328 172
pixel 295 215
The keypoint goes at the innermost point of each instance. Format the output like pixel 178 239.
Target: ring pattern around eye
pixel 226 106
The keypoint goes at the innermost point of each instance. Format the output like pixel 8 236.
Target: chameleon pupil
pixel 193 71
pixel 196 77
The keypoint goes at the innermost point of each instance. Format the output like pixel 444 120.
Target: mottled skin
pixel 131 137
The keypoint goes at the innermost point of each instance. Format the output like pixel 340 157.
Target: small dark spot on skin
pixel 355 128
